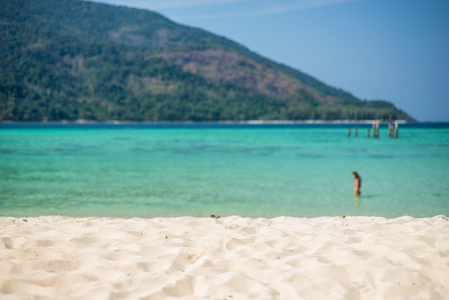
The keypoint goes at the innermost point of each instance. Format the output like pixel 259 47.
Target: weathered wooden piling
pixel 349 132
pixel 356 132
pixel 376 129
pixel 393 130
pixel 390 130
pixel 396 125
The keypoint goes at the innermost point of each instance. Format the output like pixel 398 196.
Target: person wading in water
pixel 357 184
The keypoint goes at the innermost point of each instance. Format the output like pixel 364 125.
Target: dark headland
pixel 68 60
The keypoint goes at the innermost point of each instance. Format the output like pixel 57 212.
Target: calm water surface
pixel 258 171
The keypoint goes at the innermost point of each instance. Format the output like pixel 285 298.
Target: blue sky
pixel 395 50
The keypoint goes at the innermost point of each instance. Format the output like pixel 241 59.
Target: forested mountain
pixel 72 59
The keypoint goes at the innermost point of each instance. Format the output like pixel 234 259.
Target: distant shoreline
pixel 248 122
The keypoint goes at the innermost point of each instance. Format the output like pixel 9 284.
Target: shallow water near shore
pixel 151 170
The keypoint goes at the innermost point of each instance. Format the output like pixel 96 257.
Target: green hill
pixel 71 59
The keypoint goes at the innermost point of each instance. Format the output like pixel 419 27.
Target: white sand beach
pixel 225 258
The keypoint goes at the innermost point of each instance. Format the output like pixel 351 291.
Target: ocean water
pixel 165 170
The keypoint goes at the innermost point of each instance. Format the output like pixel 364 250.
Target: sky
pixel 394 50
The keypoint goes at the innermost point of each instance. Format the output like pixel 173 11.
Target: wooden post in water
pixel 367 133
pixel 355 132
pixel 349 132
pixel 390 130
pixel 396 125
pixel 376 129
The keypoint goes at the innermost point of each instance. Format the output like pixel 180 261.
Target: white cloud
pixel 276 6
pixel 300 5
pixel 226 8
pixel 188 3
pixel 265 8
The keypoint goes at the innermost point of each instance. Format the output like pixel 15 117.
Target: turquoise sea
pixel 164 170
